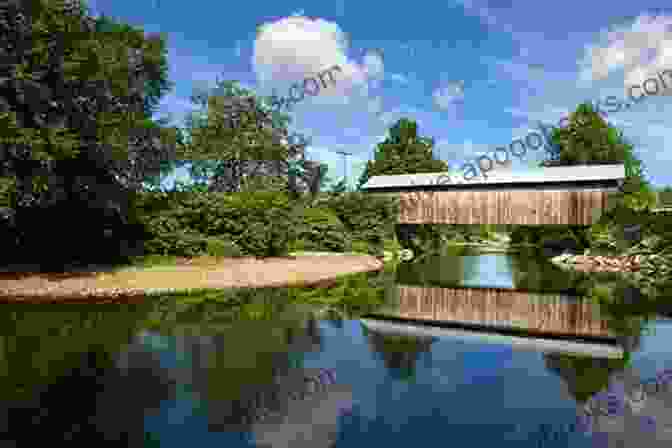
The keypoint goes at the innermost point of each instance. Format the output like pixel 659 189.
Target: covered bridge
pixel 570 195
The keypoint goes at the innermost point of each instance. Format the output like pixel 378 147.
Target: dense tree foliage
pixel 403 152
pixel 74 132
pixel 340 187
pixel 236 134
pixel 193 223
pixel 588 138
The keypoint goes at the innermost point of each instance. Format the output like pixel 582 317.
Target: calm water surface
pixel 264 370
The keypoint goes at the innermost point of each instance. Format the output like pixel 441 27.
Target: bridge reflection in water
pixel 556 323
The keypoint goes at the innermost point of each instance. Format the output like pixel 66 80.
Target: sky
pixel 474 74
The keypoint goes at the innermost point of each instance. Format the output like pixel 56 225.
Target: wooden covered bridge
pixel 570 195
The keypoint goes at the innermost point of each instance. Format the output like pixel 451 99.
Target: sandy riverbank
pixel 247 272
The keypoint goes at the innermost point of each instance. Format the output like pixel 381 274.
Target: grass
pixel 160 262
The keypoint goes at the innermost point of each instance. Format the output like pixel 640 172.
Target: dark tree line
pixel 76 137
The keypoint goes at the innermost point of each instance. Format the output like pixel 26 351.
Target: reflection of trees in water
pixel 626 309
pixel 583 375
pixel 62 363
pixel 399 352
pixel 432 270
pixel 95 402
pixel 245 371
pixel 534 273
pixel 59 375
pixel 39 343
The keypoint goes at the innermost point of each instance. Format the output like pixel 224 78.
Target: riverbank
pixel 190 274
pixel 647 269
pixel 599 263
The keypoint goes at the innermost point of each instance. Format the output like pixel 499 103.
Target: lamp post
pixel 345 171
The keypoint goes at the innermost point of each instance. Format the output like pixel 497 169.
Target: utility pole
pixel 345 171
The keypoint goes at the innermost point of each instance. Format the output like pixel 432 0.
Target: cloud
pixel 458 153
pixel 520 71
pixel 373 63
pixel 445 97
pixel 296 47
pixel 375 105
pixel 640 49
pixel 398 77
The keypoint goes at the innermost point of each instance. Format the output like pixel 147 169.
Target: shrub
pixel 181 243
pixel 222 248
pixel 270 222
pixel 322 230
pixel 182 223
pixel 367 217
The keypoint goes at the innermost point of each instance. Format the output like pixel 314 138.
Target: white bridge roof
pixel 577 173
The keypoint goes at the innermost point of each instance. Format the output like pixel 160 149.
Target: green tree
pixel 665 197
pixel 403 152
pixel 589 138
pixel 233 131
pixel 399 352
pixel 72 117
pixel 157 83
pixel 340 187
pixel 155 87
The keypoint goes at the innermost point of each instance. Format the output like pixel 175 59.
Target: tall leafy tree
pixel 233 131
pixel 589 138
pixel 155 87
pixel 157 83
pixel 403 152
pixel 399 353
pixel 73 128
pixel 340 187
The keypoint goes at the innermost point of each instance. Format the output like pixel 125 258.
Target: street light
pixel 345 171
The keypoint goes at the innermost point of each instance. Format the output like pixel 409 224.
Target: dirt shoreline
pixel 599 263
pixel 247 272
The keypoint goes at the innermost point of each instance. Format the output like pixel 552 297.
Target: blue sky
pixel 474 74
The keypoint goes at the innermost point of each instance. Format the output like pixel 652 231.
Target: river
pixel 457 349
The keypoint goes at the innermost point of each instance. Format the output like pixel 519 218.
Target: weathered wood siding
pixel 553 313
pixel 523 207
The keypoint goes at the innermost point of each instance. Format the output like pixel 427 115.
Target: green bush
pixel 270 219
pixel 360 247
pixel 222 248
pixel 183 223
pixel 322 230
pixel 664 199
pixel 179 243
pixel 366 217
